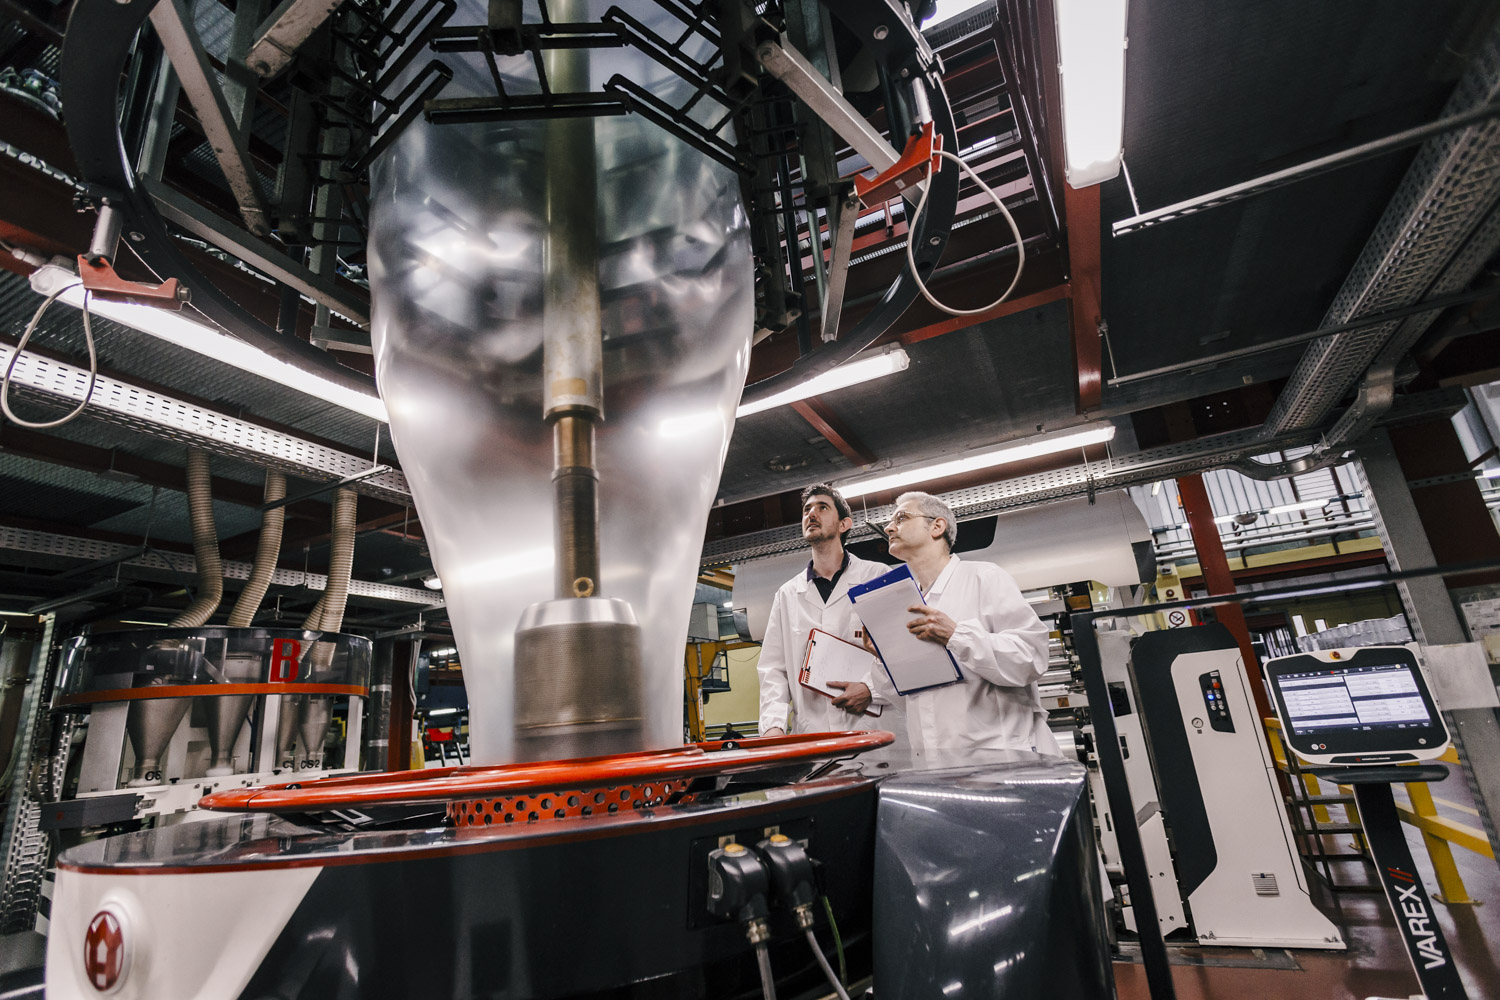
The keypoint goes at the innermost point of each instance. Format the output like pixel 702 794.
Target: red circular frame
pixel 694 760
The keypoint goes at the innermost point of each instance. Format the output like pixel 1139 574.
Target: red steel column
pixel 1216 576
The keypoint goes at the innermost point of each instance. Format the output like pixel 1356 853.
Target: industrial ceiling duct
pixel 561 322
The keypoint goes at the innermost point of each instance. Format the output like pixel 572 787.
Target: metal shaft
pixel 575 491
pixel 573 349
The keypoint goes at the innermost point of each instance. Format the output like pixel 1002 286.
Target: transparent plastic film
pixel 562 321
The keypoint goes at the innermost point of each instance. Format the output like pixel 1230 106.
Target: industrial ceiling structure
pixel 1229 300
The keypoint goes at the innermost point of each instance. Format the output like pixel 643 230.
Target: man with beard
pixel 817 597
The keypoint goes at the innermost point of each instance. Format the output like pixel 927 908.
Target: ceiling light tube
pixel 1289 508
pixel 887 362
pixel 1091 56
pixel 1018 451
pixel 176 328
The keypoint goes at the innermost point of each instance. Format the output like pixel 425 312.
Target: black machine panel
pixel 1213 701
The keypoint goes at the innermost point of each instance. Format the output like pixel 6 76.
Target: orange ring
pixel 443 784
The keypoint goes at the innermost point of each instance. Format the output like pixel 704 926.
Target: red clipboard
pixel 829 658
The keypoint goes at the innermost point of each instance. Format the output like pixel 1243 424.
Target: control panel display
pixel 1354 698
pixel 1356 706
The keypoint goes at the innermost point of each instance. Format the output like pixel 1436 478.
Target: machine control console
pixel 1213 700
pixel 1365 705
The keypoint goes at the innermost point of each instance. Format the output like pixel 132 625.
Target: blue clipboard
pixel 912 664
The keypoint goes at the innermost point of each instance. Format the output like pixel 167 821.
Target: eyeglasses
pixel 902 516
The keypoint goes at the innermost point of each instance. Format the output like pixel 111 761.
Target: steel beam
pixel 177 208
pixel 1218 579
pixel 283 32
pixel 1429 608
pixel 791 67
pixel 174 26
pixel 845 214
pixel 1302 171
pixel 1081 208
pixel 826 422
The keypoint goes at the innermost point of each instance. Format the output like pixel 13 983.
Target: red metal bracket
pixel 918 160
pixel 101 281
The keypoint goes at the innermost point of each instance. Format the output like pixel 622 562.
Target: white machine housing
pixel 1237 865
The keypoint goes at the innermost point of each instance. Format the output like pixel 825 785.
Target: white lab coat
pixel 1001 649
pixel 796 610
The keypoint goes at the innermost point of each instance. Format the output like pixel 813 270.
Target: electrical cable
pixel 88 337
pixel 911 227
pixel 838 942
pixel 833 980
pixel 767 981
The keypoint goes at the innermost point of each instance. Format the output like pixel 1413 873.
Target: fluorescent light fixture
pixel 449 651
pixel 176 328
pixel 1288 508
pixel 432 582
pixel 887 362
pixel 1046 444
pixel 127 621
pixel 728 604
pixel 17 614
pixel 1493 472
pixel 1091 54
pixel 442 711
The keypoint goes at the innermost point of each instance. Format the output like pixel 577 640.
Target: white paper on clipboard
pixel 913 664
pixel 830 658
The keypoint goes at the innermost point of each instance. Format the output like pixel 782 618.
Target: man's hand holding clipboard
pixel 914 653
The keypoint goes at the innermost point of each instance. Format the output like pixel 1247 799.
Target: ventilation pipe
pixel 205 543
pixel 309 715
pixel 151 722
pixel 226 713
pixel 266 553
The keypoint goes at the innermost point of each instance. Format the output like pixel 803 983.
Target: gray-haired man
pixel 976 610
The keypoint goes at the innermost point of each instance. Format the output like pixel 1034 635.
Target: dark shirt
pixel 825 587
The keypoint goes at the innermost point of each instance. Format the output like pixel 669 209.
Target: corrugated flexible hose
pixel 205 543
pixel 328 614
pixel 266 554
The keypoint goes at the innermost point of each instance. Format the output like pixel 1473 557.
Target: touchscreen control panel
pixel 1356 706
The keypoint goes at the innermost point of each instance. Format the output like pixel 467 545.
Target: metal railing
pixel 1311 821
